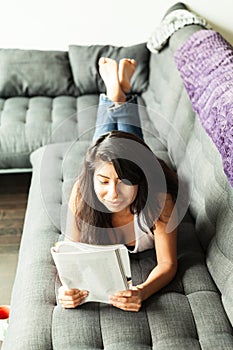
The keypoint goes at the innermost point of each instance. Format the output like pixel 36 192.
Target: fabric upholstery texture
pixel 172 22
pixel 84 64
pixel 40 102
pixel 195 310
pixel 200 163
pixel 35 72
pixel 186 313
pixel 205 62
pixel 28 123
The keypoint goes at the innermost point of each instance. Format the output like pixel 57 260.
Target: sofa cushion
pixel 205 62
pixel 187 313
pixel 35 72
pixel 28 123
pixel 196 158
pixel 84 65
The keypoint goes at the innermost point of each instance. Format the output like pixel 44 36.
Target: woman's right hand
pixel 71 298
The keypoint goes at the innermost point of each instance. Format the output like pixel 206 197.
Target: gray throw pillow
pixel 35 72
pixel 84 65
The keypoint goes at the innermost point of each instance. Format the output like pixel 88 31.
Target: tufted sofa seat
pixel 43 92
pixel 28 123
pixel 195 311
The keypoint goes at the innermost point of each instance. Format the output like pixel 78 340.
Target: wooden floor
pixel 13 201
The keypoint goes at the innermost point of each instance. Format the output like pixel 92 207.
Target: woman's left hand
pixel 128 300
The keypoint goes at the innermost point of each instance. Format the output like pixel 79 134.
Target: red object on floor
pixel 4 312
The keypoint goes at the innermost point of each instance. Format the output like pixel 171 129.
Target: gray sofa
pixel 43 92
pixel 195 311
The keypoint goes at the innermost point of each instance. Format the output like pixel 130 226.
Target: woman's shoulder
pixel 167 207
pixel 73 195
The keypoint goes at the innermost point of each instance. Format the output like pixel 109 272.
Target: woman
pixel 124 194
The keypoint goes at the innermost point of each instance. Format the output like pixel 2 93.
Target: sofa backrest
pixel 52 96
pixel 197 160
pixel 35 73
pixel 74 72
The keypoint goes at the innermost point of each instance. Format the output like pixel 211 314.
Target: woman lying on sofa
pixel 124 194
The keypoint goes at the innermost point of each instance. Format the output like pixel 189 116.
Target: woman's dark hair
pixel 135 164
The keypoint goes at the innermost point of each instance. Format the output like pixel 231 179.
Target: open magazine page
pixel 67 246
pixel 102 270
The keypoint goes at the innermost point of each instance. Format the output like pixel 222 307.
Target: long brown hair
pixel 134 163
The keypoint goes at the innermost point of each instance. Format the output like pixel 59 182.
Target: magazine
pixel 100 269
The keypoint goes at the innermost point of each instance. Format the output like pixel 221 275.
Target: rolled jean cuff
pixel 104 100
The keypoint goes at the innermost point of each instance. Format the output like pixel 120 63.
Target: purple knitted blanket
pixel 205 62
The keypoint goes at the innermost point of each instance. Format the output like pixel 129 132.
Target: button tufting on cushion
pixel 29 123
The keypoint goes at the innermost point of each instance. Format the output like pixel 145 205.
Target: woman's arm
pixel 71 233
pixel 166 252
pixel 71 298
pixel 164 271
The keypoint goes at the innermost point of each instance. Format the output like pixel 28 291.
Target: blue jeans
pixel 123 117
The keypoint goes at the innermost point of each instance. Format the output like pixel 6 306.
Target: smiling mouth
pixel 113 203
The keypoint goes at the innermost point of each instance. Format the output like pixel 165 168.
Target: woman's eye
pixel 103 182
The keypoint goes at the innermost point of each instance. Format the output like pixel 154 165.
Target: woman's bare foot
pixel 127 68
pixel 108 69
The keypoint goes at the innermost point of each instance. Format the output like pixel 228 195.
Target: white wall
pixel 54 24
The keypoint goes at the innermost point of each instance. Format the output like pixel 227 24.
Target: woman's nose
pixel 112 192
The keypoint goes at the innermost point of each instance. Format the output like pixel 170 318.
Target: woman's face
pixel 114 194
